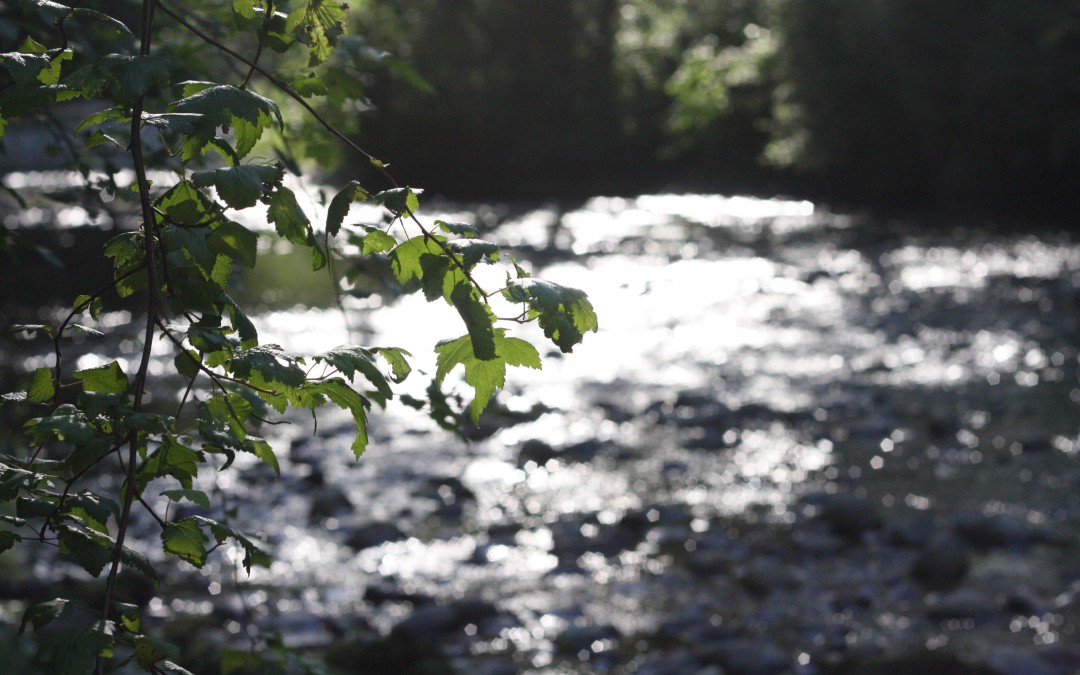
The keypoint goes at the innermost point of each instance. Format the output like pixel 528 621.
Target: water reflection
pixel 754 356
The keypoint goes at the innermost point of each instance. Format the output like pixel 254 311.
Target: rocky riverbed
pixel 802 443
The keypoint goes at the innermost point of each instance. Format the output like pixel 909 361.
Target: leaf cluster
pixel 96 454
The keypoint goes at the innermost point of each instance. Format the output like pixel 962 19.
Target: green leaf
pixel 171 458
pixel 197 497
pixel 43 613
pixel 118 114
pixel 271 363
pixel 350 359
pixel 240 186
pixel 398 363
pixel 253 555
pixel 94 509
pixel 338 391
pixel 246 8
pixel 108 379
pixel 319 24
pixel 137 561
pixel 86 330
pixel 235 241
pixel 376 241
pixel 8 539
pixel 406 257
pixel 339 206
pixel 288 218
pixel 87 303
pixel 91 553
pixel 75 650
pixel 564 313
pixel 238 661
pixel 479 321
pixel 309 85
pixel 403 201
pixel 185 205
pixel 121 77
pixel 186 540
pixel 485 376
pixel 226 107
pixel 67 423
pixel 41 388
pixel 459 229
pixel 187 363
pixel 31 328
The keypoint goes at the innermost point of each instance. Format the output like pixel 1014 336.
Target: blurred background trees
pixel 914 103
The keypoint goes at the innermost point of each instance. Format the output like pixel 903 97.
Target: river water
pixel 801 442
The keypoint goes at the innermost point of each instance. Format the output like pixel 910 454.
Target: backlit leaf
pixel 197 497
pixel 109 379
pixel 485 376
pixel 319 24
pixel 226 107
pixel 186 540
pixel 235 241
pixel 564 313
pixel 339 206
pixel 338 391
pixel 239 186
pixel 41 389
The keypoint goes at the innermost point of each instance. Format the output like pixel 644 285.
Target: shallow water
pixel 754 356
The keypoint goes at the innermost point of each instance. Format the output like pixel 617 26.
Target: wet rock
pixel 1025 603
pixel 747 657
pixel 913 531
pixel 963 604
pixel 587 638
pixel 536 451
pixel 1010 661
pixel 999 530
pixel 447 489
pixel 847 515
pixel 762 576
pixel 329 501
pixel 389 591
pixel 373 534
pixel 585 451
pixel 1033 442
pixel 432 622
pixel 942 563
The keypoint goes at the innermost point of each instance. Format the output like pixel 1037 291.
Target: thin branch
pixel 149 227
pixel 280 84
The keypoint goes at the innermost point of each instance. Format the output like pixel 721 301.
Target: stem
pixel 280 84
pixel 149 230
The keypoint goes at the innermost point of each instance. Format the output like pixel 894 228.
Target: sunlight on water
pixel 738 337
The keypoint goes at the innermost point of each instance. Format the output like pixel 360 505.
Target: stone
pixel 942 564
pixel 576 639
pixel 373 534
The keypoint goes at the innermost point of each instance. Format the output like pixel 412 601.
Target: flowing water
pixel 782 407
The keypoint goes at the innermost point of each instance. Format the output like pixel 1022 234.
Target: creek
pixel 802 442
